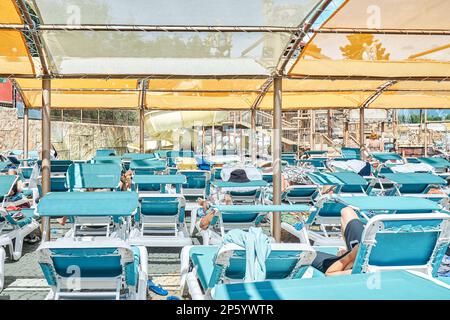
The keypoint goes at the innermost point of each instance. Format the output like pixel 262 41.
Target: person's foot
pixel 61 221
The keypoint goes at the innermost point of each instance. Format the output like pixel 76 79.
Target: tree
pixel 364 47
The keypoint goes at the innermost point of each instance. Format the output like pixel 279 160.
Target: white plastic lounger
pixel 12 232
pixel 407 241
pixel 243 217
pixel 205 267
pixel 328 214
pixel 161 221
pixel 94 269
pixel 105 213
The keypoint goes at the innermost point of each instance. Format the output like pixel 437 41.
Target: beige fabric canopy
pixel 388 54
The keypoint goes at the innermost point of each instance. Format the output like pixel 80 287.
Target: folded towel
pixel 257 250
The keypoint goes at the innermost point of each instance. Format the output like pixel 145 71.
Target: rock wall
pixel 71 140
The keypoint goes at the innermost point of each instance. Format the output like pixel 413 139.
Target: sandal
pixel 156 288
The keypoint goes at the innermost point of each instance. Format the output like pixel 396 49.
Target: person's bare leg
pixel 347 215
pixel 228 200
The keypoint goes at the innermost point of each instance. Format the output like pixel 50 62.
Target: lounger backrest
pixel 163 206
pixel 87 175
pixel 386 156
pixel 195 179
pixel 139 156
pixel 351 153
pixel 88 263
pixel 282 263
pixel 353 182
pixel 409 240
pixel 108 160
pixel 6 183
pixel 436 162
pixel 330 210
pixel 105 152
pixel 415 182
pixel 147 166
pixel 58 166
pixel 301 191
pixel 247 217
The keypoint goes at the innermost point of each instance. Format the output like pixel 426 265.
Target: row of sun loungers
pixel 406 230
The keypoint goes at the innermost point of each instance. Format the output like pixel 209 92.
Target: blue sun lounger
pixel 344 182
pixel 392 285
pixel 93 176
pixel 127 158
pixel 102 269
pixel 203 268
pixel 243 217
pixel 107 160
pixel 243 192
pixel 290 158
pixel 414 184
pixel 150 184
pixel 198 183
pixel 440 165
pixel 300 194
pixel 58 173
pixel 172 155
pixel 351 153
pixel 103 213
pixel 148 166
pixel 328 214
pixel 105 153
pixel 161 221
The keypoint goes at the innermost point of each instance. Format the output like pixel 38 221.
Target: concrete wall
pixel 71 140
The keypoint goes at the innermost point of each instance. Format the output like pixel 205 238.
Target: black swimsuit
pixel 352 235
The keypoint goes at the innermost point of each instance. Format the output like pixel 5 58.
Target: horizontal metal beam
pixel 380 78
pixel 149 28
pixel 229 91
pixel 427 32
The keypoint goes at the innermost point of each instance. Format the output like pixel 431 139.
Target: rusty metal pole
pixel 46 145
pixel 276 156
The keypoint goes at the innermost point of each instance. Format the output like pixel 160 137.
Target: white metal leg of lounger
pixel 20 235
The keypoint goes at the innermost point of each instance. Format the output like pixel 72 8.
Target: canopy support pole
pixel 361 132
pixel 345 135
pixel 142 103
pixel 253 136
pixel 425 134
pixel 329 124
pixel 25 131
pixel 276 156
pixel 46 145
pixel 312 129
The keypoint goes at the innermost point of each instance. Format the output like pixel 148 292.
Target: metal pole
pixel 142 102
pixel 276 156
pixel 329 124
pixel 213 140
pixel 25 132
pixel 312 129
pixel 362 142
pixel 425 136
pixel 46 145
pixel 345 135
pixel 253 137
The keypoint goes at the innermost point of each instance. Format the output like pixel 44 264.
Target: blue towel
pixel 257 250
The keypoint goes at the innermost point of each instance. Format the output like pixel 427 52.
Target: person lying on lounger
pixel 342 264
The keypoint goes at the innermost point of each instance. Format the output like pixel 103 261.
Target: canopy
pixel 210 55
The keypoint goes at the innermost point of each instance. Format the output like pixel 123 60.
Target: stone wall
pixel 71 140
